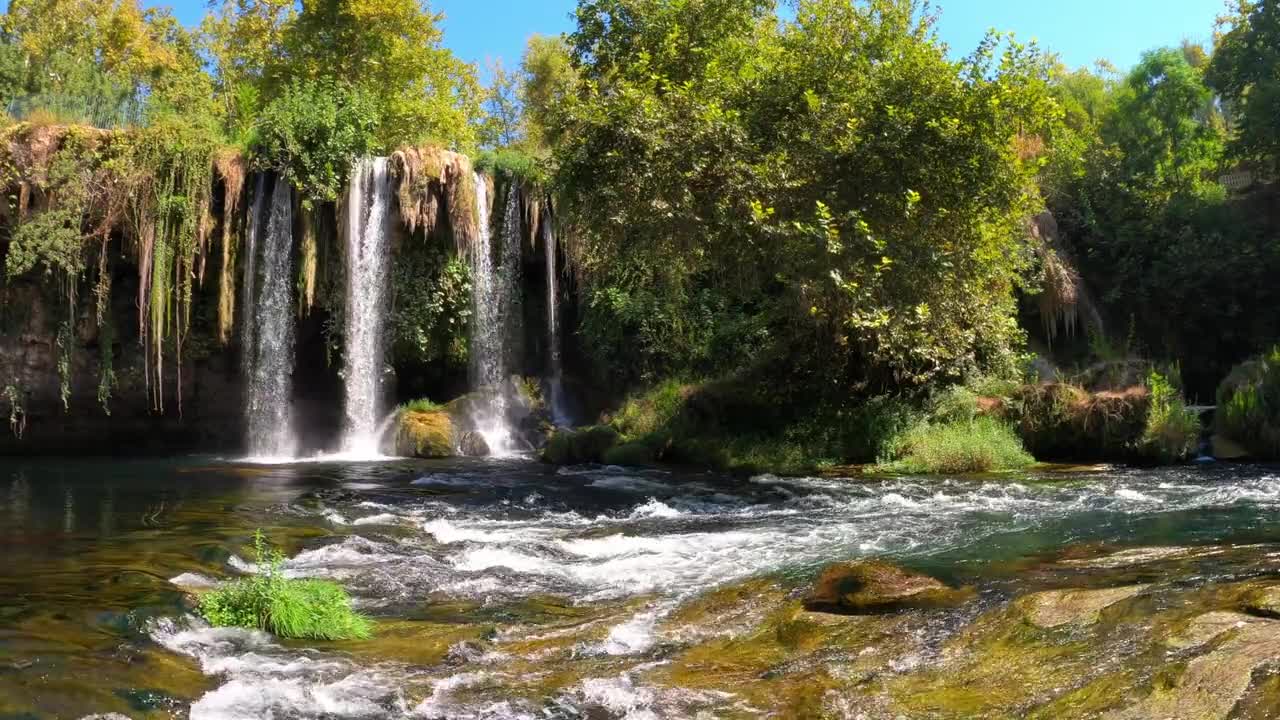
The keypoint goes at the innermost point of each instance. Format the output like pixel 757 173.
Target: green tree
pixel 501 126
pixel 548 79
pixel 1245 71
pixel 391 51
pixel 832 194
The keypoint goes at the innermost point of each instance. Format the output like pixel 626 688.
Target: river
pixel 509 589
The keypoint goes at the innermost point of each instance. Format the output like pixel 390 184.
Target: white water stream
pixel 368 258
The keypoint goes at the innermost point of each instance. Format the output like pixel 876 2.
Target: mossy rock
pixel 425 434
pixel 1264 602
pixel 874 586
pixel 584 445
pixel 1057 608
pixel 632 453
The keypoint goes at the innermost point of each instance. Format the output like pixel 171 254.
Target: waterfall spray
pixel 368 230
pixel 268 338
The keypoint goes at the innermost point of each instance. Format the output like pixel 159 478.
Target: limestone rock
pixel 425 434
pixel 875 586
pixel 1056 608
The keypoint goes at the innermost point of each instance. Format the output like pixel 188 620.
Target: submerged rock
pixel 875 586
pixel 1055 608
pixel 424 434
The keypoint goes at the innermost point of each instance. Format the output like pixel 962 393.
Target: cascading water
pixel 555 369
pixel 492 291
pixel 368 258
pixel 269 332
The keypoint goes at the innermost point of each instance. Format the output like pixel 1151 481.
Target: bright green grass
pixel 421 405
pixel 288 608
pixel 983 444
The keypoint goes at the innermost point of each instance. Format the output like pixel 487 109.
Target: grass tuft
pixel 421 405
pixel 982 444
pixel 288 608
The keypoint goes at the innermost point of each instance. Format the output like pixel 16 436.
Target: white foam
pixel 194 581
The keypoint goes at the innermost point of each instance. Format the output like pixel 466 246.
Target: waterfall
pixel 268 330
pixel 555 369
pixel 492 293
pixel 368 207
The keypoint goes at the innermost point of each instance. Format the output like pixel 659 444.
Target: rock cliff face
pixel 128 419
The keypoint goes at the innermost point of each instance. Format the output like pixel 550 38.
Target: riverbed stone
pixel 876 586
pixel 1210 685
pixel 1264 602
pixel 1057 608
pixel 425 434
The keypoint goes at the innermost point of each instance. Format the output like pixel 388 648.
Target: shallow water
pixel 505 588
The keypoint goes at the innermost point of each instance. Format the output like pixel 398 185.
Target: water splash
pixel 269 331
pixel 368 256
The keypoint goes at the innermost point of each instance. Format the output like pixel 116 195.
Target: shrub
pixel 1249 405
pixel 983 444
pixel 289 608
pixel 1172 431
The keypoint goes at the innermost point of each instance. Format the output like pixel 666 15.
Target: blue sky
pixel 1081 31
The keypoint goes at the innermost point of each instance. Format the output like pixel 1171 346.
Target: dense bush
pixel 313 132
pixel 289 608
pixel 1249 405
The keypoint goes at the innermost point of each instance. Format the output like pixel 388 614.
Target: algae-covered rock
pixel 632 453
pixel 424 434
pixel 1211 684
pixel 875 586
pixel 1055 608
pixel 584 445
pixel 1264 602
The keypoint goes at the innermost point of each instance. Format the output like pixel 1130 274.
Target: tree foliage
pixel 1245 71
pixel 830 187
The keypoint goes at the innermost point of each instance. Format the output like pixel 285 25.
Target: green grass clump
pixel 289 608
pixel 421 405
pixel 1249 406
pixel 983 444
pixel 1172 431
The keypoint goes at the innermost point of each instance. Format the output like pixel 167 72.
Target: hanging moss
pixel 307 266
pixel 232 168
pixel 420 176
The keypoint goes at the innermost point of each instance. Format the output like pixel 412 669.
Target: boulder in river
pixel 424 434
pixel 875 586
pixel 473 444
